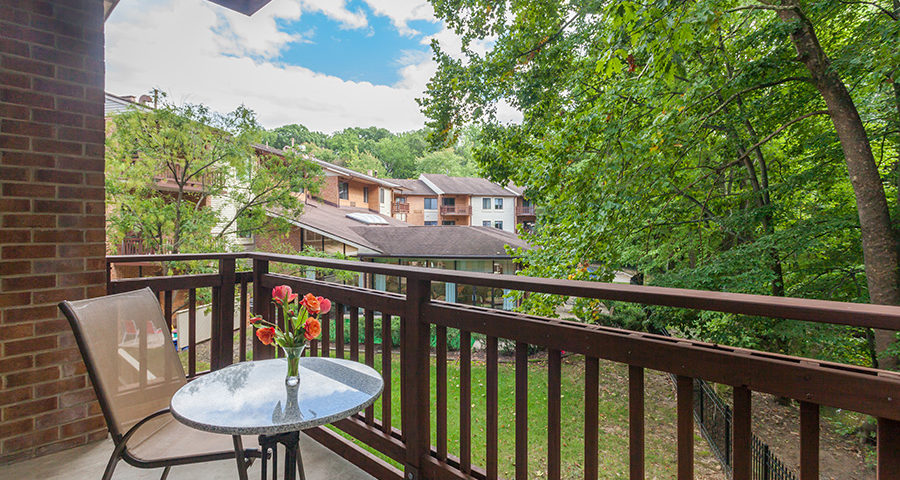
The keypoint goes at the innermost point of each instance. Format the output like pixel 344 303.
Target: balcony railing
pixel 399 207
pixel 456 210
pixel 525 211
pixel 134 246
pixel 407 440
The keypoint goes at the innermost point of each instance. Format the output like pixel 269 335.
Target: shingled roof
pixel 464 185
pixel 440 242
pixel 412 186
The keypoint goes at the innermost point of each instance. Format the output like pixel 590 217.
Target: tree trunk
pixel 878 241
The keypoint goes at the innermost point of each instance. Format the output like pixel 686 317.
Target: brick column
pixel 52 241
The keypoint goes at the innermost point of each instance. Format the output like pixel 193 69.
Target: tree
pixel 688 141
pixel 447 162
pixel 294 134
pixel 186 179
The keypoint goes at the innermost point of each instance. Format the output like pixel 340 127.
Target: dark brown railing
pixel 399 207
pixel 456 210
pixel 525 211
pixel 811 382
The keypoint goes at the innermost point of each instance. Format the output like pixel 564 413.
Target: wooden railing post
pixel 221 346
pixel 416 411
pixel 888 449
pixel 262 305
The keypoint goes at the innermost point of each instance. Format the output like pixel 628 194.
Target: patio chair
pixel 134 377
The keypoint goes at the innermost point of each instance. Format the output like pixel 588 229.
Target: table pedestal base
pixel 293 463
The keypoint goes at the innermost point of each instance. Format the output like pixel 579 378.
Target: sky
pixel 326 64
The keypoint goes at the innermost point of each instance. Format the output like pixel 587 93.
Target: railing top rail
pixel 173 257
pixel 821 311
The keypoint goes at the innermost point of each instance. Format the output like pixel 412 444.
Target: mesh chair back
pixel 128 350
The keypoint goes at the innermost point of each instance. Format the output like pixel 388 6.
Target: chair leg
pixel 113 460
pixel 300 464
pixel 239 456
pixel 165 473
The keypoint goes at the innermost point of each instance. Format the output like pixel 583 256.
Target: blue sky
pixel 327 64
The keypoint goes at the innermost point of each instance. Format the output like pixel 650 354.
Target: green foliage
pixel 187 179
pixel 680 140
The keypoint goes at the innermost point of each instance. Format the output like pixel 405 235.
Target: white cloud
pixel 401 12
pixel 199 52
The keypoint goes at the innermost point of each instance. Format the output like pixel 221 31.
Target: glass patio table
pixel 251 398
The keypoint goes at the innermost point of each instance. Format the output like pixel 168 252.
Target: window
pixel 449 202
pixel 401 199
pixel 431 223
pixel 485 223
pixel 381 195
pixel 431 204
pixel 498 204
pixel 366 194
pixel 498 224
pixel 343 190
pixel 448 222
pixel 526 203
pixel 486 203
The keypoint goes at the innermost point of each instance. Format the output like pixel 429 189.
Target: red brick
pixel 58 417
pixel 14 174
pixel 28 409
pixel 58 206
pixel 76 397
pixel 81 135
pixel 29 314
pixel 27 159
pixel 29 35
pixel 82 426
pixel 95 208
pixel 57 117
pixel 56 146
pixel 57 236
pixel 87 278
pixel 30 345
pixel 15 16
pixel 78 106
pixel 94 409
pixel 57 57
pixel 58 176
pixel 26 97
pixel 94 149
pixel 56 25
pixel 96 290
pixel 55 325
pixel 57 295
pixel 13 364
pixel 8 235
pixel 84 77
pixel 17 427
pixel 15 204
pixel 57 87
pixel 27 283
pixel 18 112
pixel 15 332
pixel 13 47
pixel 9 396
pixel 59 446
pixel 81 221
pixel 72 369
pixel 13 79
pixel 28 190
pixel 28 129
pixel 58 266
pixel 29 221
pixel 59 386
pixel 13 142
pixel 57 356
pixel 26 65
pixel 30 377
pixel 29 440
pixel 84 193
pixel 27 251
pixel 15 267
pixel 14 299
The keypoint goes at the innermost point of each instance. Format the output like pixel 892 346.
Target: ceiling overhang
pixel 247 7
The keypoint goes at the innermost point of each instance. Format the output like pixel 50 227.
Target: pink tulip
pixel 282 293
pixel 324 304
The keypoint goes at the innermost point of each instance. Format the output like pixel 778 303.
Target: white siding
pixel 507 215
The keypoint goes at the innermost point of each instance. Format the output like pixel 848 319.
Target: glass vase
pixel 292 355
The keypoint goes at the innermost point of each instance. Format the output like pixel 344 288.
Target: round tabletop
pixel 251 398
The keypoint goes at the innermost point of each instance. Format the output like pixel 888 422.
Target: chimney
pixel 130 98
pixel 145 99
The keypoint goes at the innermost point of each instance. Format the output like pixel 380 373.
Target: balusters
pixel 441 391
pixel 591 412
pixel 242 349
pixel 740 421
pixel 491 410
pixel 339 331
pixel 685 435
pixel 809 441
pixel 192 332
pixel 554 393
pixel 465 401
pixel 354 334
pixel 385 368
pixel 521 411
pixel 636 422
pixel 326 334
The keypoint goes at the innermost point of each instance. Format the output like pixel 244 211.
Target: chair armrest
pixel 144 420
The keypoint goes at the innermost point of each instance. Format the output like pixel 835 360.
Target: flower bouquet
pixel 301 324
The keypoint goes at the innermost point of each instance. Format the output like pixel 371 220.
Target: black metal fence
pixel 713 416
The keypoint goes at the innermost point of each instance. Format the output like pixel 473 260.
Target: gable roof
pixel 440 242
pixel 446 185
pixel 413 186
pixel 334 223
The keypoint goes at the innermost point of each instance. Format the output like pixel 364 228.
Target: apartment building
pixel 436 199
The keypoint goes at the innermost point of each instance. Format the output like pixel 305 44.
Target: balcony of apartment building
pixel 398 207
pixel 518 396
pixel 455 206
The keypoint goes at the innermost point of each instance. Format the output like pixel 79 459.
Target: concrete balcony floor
pixel 89 461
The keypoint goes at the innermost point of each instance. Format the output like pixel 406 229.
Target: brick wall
pixel 52 218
